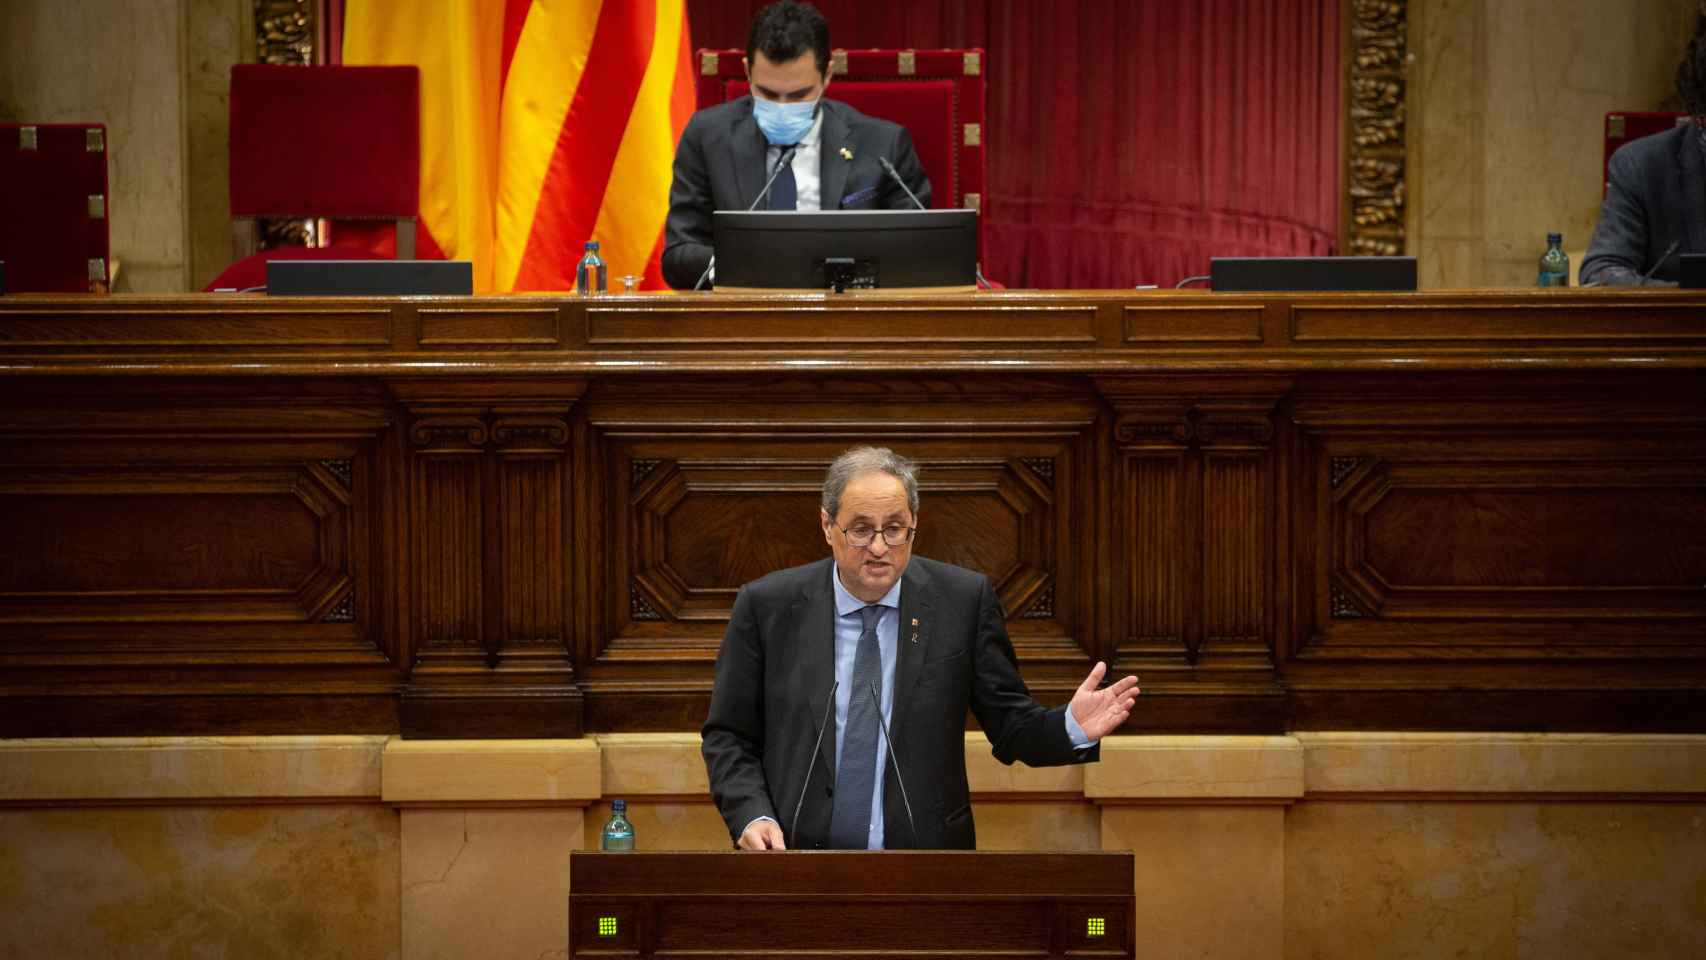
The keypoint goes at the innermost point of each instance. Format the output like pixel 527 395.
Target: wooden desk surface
pixel 528 515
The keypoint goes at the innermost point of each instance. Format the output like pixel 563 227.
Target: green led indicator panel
pixel 1095 927
pixel 607 926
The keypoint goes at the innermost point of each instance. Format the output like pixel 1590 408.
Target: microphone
pixel 782 161
pixel 821 729
pixel 1659 263
pixel 889 169
pixel 877 700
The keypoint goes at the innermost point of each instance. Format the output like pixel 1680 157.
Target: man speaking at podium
pixel 815 154
pixel 838 716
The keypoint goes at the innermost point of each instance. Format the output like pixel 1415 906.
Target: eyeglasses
pixel 863 534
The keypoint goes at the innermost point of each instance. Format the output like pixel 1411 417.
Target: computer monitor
pixel 845 249
pixel 1260 274
pixel 369 278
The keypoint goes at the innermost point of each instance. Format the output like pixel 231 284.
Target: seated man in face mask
pixel 728 151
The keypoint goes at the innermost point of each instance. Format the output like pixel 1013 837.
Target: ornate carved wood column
pixel 488 547
pixel 1376 127
pixel 1195 497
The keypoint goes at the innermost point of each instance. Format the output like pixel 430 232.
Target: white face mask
pixel 784 124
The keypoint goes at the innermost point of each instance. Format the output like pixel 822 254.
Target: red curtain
pixel 1129 140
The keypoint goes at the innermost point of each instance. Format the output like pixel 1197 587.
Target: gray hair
pixel 860 460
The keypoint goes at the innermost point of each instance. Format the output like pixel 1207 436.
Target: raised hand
pixel 1100 712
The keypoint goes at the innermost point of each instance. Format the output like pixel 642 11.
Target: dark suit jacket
pixel 774 675
pixel 1657 197
pixel 719 165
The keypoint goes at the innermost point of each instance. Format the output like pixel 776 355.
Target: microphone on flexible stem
pixel 821 729
pixel 1659 263
pixel 877 700
pixel 889 169
pixel 782 161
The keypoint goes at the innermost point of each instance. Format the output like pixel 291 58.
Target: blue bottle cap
pixel 618 806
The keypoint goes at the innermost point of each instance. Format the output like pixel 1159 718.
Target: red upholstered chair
pixel 1622 126
pixel 53 207
pixel 340 143
pixel 938 95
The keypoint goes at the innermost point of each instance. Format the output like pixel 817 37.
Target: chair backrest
pixel 53 207
pixel 1622 126
pixel 938 95
pixel 336 142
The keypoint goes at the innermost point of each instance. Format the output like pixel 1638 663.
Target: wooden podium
pixel 923 905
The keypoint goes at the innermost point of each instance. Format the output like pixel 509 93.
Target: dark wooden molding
pixel 530 516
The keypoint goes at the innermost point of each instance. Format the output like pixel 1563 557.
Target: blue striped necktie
pixel 856 774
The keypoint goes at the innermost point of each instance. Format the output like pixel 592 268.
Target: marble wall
pixel 156 72
pixel 1506 104
pixel 1318 845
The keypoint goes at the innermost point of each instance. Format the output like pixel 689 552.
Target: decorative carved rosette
pixel 1375 172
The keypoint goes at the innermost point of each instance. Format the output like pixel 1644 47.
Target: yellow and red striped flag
pixel 544 123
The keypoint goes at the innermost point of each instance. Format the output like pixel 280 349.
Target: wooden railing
pixel 528 516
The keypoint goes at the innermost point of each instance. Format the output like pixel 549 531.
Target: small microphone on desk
pixel 1661 262
pixel 877 700
pixel 889 169
pixel 782 162
pixel 821 729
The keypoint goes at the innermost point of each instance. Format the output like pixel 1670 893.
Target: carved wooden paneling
pixel 168 556
pixel 490 526
pixel 887 325
pixel 691 511
pixel 448 556
pixel 1196 479
pixel 1496 540
pixel 703 527
pixel 1429 544
pixel 213 544
pixel 1462 511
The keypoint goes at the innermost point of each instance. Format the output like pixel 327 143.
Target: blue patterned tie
pixel 783 193
pixel 856 775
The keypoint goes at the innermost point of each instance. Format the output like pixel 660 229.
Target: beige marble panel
pixel 1513 763
pixel 987 775
pixel 204 881
pixel 491 771
pixel 1419 880
pixel 1037 825
pixel 653 764
pixel 1507 106
pixel 218 34
pixel 1446 90
pixel 68 61
pixel 1209 879
pixel 491 884
pixel 189 768
pixel 1200 767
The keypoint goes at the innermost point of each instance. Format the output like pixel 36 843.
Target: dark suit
pixel 774 674
pixel 1657 197
pixel 720 165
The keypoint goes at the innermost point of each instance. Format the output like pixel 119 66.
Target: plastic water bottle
pixel 591 276
pixel 618 832
pixel 1554 263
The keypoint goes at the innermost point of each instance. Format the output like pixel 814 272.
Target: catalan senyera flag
pixel 544 124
